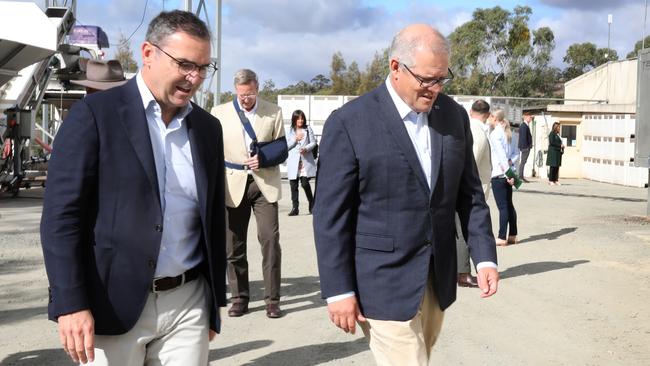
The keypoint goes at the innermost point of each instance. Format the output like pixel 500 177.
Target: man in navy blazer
pixel 395 165
pixel 133 225
pixel 525 142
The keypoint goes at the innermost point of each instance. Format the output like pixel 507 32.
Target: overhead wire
pixel 144 12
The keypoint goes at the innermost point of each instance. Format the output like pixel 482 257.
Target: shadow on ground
pixel 52 356
pixel 610 198
pixel 18 315
pixel 549 236
pixel 538 267
pixel 311 355
pixel 225 352
pixel 300 289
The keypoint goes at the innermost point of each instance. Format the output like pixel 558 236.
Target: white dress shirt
pixel 251 118
pixel 179 246
pixel 247 139
pixel 417 126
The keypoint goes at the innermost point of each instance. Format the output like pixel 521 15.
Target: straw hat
pixel 102 75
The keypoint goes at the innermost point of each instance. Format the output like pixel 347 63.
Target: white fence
pixel 608 150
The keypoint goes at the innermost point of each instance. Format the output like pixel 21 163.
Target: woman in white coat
pixel 300 163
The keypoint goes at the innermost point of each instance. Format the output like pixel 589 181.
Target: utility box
pixel 642 129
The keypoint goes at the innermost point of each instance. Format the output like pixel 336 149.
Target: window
pixel 569 133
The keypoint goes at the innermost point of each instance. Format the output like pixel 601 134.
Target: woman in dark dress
pixel 554 156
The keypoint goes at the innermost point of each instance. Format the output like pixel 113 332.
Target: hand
pixel 212 335
pixel 511 181
pixel 303 150
pixel 488 281
pixel 253 162
pixel 345 313
pixel 77 335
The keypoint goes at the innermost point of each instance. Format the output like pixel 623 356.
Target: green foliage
pixel 496 53
pixel 637 47
pixel 337 74
pixel 376 72
pixel 125 56
pixel 582 57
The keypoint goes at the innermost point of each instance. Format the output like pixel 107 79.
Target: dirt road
pixel 575 291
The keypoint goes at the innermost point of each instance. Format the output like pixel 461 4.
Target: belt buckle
pixel 154 287
pixel 182 280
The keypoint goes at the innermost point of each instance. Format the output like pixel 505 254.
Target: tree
pixel 320 82
pixel 125 56
pixel 637 47
pixel 496 53
pixel 337 74
pixel 268 91
pixel 352 79
pixel 375 73
pixel 582 57
pixel 226 97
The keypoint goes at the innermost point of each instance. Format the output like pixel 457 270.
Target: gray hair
pixel 246 76
pixel 169 22
pixel 404 46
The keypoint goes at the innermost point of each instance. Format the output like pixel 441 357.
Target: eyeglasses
pixel 424 83
pixel 247 96
pixel 189 67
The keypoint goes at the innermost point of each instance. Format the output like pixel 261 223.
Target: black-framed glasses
pixel 188 67
pixel 427 83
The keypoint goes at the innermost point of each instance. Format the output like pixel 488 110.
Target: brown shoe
pixel 273 311
pixel 467 280
pixel 238 309
pixel 512 239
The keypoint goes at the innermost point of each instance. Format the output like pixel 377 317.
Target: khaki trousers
pixel 268 234
pixel 172 331
pixel 408 343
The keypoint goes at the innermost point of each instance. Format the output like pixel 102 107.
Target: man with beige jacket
pixel 252 183
pixel 478 114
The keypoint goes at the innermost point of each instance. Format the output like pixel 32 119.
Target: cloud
pixel 589 5
pixel 578 26
pixel 313 16
pixel 292 42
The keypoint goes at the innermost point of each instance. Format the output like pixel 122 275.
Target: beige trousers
pixel 172 331
pixel 407 343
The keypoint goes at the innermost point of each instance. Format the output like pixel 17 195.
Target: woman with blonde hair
pixel 500 144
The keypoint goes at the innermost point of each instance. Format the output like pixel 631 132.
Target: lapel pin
pixel 435 106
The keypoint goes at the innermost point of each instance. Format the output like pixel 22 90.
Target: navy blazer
pixel 102 219
pixel 525 137
pixel 377 225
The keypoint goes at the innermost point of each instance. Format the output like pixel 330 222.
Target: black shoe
pixel 311 206
pixel 294 212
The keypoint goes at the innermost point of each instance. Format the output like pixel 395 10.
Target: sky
pixel 292 40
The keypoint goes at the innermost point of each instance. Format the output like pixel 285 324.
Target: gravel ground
pixel 575 291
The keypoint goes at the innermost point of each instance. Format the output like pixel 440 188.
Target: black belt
pixel 235 166
pixel 170 283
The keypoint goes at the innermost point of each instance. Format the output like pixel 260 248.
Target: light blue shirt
pixel 179 246
pixel 499 145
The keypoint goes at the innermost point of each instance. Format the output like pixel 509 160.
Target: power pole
pixel 609 32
